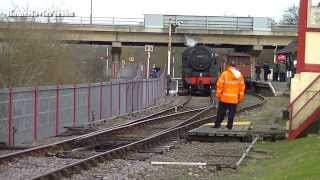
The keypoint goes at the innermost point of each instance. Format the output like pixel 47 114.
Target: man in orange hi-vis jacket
pixel 229 92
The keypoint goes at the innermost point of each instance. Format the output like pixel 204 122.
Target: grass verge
pixel 292 160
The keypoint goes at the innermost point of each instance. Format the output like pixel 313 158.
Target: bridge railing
pixel 189 22
pixel 110 21
pixel 210 22
pixel 284 27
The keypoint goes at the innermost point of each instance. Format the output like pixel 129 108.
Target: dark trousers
pixel 275 76
pixel 282 77
pixel 223 107
pixel 265 75
pixel 257 76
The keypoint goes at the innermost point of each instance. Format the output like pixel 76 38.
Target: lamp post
pixel 169 47
pixel 90 11
pixel 148 49
pixel 172 28
pixel 107 64
pixel 275 54
pixel 173 53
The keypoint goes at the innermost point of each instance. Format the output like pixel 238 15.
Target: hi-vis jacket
pixel 230 86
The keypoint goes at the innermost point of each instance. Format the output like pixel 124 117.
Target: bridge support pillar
pixel 115 54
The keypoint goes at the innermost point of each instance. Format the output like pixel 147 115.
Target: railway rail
pixel 65 144
pixel 117 142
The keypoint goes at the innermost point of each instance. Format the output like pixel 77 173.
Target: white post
pixel 148 64
pixel 169 50
pixel 173 66
pixel 107 65
pixel 90 11
pixel 107 68
pixel 275 54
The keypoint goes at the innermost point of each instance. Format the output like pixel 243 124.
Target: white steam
pixel 190 42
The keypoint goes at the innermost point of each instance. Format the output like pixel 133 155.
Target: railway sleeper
pixel 70 154
pixel 86 166
pixel 54 176
pixel 139 156
pixel 66 173
pixel 110 145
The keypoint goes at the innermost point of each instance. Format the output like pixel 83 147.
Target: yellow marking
pixel 237 123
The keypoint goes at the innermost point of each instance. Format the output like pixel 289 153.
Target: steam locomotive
pixel 201 67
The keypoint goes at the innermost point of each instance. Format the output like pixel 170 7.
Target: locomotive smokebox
pixel 200 69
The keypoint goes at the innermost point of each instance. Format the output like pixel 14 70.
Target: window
pixel 314 14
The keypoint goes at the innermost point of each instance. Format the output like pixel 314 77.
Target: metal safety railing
pixel 302 108
pixel 29 114
pixel 189 22
pixel 210 22
pixel 284 27
pixel 79 20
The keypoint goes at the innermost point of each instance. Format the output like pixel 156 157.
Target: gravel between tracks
pixel 263 117
pixel 183 152
pixel 29 166
pixel 33 166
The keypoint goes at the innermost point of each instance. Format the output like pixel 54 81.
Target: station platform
pixel 277 88
pixel 242 131
pixel 206 132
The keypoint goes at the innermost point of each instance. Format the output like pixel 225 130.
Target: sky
pixel 136 8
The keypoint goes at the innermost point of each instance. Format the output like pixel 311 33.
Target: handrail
pixel 290 105
pixel 298 112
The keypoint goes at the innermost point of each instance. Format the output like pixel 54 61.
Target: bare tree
pixel 315 14
pixel 290 15
pixel 33 56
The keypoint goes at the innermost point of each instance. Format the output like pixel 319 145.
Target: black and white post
pixel 148 49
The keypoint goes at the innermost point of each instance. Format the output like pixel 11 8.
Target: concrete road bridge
pixel 254 32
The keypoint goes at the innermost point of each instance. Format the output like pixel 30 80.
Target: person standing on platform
pixel 275 70
pixel 266 71
pixel 282 71
pixel 157 72
pixel 229 92
pixel 168 84
pixel 153 71
pixel 257 71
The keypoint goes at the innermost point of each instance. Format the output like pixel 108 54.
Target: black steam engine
pixel 200 69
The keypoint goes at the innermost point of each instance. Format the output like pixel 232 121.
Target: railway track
pixel 117 142
pixel 94 140
pixel 65 144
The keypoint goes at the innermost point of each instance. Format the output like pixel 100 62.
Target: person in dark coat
pixel 275 70
pixel 266 71
pixel 258 72
pixel 157 72
pixel 282 71
pixel 168 84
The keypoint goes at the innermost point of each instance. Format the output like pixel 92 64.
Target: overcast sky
pixel 136 8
